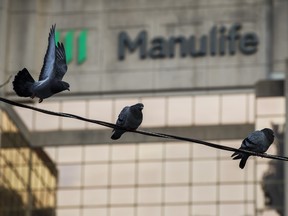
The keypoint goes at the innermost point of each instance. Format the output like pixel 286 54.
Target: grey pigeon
pixel 50 79
pixel 257 141
pixel 129 118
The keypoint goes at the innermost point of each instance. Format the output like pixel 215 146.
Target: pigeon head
pixel 60 86
pixel 269 134
pixel 136 110
pixel 65 85
pixel 138 106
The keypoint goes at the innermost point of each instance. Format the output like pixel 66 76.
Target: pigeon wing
pixel 60 64
pixel 123 116
pixel 256 137
pixel 49 59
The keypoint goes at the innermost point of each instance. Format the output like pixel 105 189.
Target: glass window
pixel 230 209
pixel 24 152
pixel 262 168
pixel 154 112
pixel 150 151
pixel 201 151
pixel 123 152
pixel 234 109
pixel 250 169
pixel 149 211
pixel 68 197
pixel 260 197
pixel 95 197
pixel 207 109
pixel 250 192
pixel 176 210
pixel 122 195
pixel 3 158
pixel 251 108
pixel 264 122
pixel 269 212
pixel 179 110
pixel 204 193
pixel 69 154
pixel 96 153
pixel 123 174
pixel 68 212
pixel 27 116
pixel 150 195
pixel 203 210
pixel 44 121
pixel 125 211
pixel 100 110
pixel 271 106
pixel 69 175
pixel 94 211
pixel 150 173
pixel 177 172
pixel 96 174
pixel 231 192
pixel 177 150
pixel 76 108
pixel 178 194
pixel 204 171
pixel 230 171
pixel 251 209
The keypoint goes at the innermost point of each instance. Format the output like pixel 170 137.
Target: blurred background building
pixel 212 70
pixel 28 177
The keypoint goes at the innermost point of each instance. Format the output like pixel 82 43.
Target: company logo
pixel 219 41
pixel 81 44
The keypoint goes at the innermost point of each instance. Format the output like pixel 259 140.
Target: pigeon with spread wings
pixel 50 79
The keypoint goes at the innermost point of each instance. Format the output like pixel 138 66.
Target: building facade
pixel 28 176
pixel 212 70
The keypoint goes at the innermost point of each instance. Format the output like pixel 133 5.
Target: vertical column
pixel 269 37
pixel 3 39
pixel 285 145
pixel 28 210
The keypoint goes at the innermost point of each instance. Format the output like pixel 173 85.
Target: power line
pixel 147 133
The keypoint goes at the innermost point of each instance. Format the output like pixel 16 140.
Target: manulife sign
pixel 219 41
pixel 78 52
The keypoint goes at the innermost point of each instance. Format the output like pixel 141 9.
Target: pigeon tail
pixel 237 156
pixel 117 134
pixel 243 161
pixel 242 156
pixel 22 83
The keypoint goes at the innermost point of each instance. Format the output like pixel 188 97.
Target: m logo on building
pixel 78 53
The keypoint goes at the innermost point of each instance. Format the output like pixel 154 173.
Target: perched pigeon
pixel 257 141
pixel 50 79
pixel 130 118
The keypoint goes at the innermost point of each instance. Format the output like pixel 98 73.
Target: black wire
pixel 154 134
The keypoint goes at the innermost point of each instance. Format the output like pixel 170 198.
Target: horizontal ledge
pixel 270 88
pixel 117 92
pixel 92 137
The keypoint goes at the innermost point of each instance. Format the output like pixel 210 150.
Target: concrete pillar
pixel 3 40
pixel 286 145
